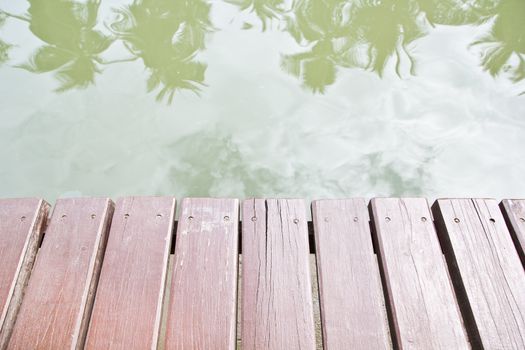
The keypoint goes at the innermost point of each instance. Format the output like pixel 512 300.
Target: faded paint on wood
pixel 352 305
pixel 514 214
pixel 277 311
pixel 22 223
pixel 421 299
pixel 486 270
pixel 127 310
pixel 202 307
pixel 57 303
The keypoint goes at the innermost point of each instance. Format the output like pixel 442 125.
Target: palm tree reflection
pixel 72 45
pixel 166 35
pixel 318 24
pixel 457 12
pixel 266 10
pixel 369 34
pixel 343 33
pixel 504 45
pixel 4 47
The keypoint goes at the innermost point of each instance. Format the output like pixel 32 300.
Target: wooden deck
pixel 389 273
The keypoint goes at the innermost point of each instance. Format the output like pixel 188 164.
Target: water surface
pixel 262 98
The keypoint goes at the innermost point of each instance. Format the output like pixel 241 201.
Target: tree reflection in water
pixel 166 35
pixel 504 46
pixel 4 47
pixel 352 34
pixel 266 10
pixel 368 34
pixel 73 46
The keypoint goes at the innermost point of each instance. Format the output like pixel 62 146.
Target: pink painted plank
pixel 514 214
pixel 202 307
pixel 351 297
pixel 486 271
pixel 22 222
pixel 58 300
pixel 277 311
pixel 127 310
pixel 421 298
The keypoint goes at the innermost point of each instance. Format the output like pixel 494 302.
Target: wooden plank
pixel 21 225
pixel 486 271
pixel 514 214
pixel 277 310
pixel 127 309
pixel 58 300
pixel 421 300
pixel 352 305
pixel 203 294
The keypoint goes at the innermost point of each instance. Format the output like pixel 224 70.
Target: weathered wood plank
pixel 352 306
pixel 277 310
pixel 203 294
pixel 127 309
pixel 514 214
pixel 58 300
pixel 21 225
pixel 486 271
pixel 420 295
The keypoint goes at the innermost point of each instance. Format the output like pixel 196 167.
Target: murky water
pixel 262 98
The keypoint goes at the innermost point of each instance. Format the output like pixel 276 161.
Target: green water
pixel 248 98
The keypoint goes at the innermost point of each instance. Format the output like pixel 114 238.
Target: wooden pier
pixel 390 273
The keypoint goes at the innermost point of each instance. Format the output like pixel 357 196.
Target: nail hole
pixel 93 216
pixel 254 218
pixel 296 221
pixel 64 216
pixel 492 220
pixel 387 219
pixel 190 217
pixel 226 218
pixel 159 216
pixel 22 218
pixel 126 216
pixel 424 219
pixel 456 220
pixel 356 219
pixel 522 219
